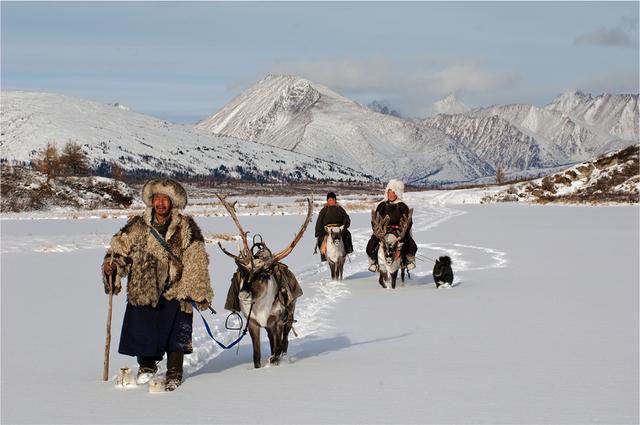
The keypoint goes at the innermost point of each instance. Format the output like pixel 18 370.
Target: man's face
pixel 331 202
pixel 161 204
pixel 391 195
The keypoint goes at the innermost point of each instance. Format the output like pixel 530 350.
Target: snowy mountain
pixel 574 127
pixel 294 114
pixel 456 145
pixel 287 128
pixel 617 114
pixel 494 140
pixel 383 109
pixel 113 133
pixel 449 105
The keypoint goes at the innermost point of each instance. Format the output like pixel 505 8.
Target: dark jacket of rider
pixel 331 214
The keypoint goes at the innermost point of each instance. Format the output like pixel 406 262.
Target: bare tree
pixel 73 160
pixel 500 175
pixel 48 162
pixel 117 173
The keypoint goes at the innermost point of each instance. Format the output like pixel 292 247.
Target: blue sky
pixel 184 61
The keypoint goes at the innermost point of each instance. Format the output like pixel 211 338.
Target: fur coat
pixel 151 273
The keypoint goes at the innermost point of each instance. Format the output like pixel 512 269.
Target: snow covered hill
pixel 614 177
pixel 295 114
pixel 285 128
pixel 24 189
pixel 113 133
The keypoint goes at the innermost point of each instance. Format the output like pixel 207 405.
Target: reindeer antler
pixel 245 254
pixel 379 225
pixel 282 254
pixel 232 211
pixel 405 222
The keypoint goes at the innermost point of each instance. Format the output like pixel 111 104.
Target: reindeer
pixel 264 289
pixel 336 252
pixel 389 257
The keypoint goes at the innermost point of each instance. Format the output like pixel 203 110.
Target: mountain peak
pixel 569 100
pixel 449 105
pixel 383 108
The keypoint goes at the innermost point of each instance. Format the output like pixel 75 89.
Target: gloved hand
pixel 110 270
pixel 203 305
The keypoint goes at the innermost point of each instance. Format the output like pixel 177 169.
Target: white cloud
pixel 353 76
pixel 413 87
pixel 468 77
pixel 622 35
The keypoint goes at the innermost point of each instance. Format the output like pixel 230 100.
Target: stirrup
pixel 373 267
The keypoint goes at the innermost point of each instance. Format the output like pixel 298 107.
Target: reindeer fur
pixel 336 253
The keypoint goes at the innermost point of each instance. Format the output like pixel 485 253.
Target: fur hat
pixel 169 187
pixel 331 195
pixel 397 186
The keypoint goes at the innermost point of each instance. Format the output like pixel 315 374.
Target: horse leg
pixel 394 276
pixel 332 267
pixel 402 274
pixel 339 269
pixel 254 331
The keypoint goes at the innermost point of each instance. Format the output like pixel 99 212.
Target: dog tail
pixel 445 260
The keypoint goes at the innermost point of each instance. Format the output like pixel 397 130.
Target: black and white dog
pixel 442 273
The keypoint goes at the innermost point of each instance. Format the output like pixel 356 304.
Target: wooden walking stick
pixel 107 345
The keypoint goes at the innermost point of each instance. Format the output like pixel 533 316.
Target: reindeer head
pixel 391 240
pixel 256 263
pixel 334 234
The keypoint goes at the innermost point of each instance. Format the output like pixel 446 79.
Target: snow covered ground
pixel 540 327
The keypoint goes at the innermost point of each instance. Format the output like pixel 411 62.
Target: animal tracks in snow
pixel 321 294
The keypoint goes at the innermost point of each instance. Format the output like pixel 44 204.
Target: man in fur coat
pixel 162 254
pixel 393 207
pixel 333 214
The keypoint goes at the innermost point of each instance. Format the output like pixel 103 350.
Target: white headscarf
pixel 398 187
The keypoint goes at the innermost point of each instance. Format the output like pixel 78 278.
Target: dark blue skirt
pixel 152 331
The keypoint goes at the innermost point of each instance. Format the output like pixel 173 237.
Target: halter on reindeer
pixel 264 289
pixel 390 248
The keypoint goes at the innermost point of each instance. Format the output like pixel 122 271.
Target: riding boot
pixel 373 265
pixel 323 257
pixel 410 262
pixel 174 370
pixel 147 368
pixel 348 243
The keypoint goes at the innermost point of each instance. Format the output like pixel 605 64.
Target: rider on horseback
pixel 333 214
pixel 395 209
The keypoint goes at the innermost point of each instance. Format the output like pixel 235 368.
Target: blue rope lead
pixel 206 325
